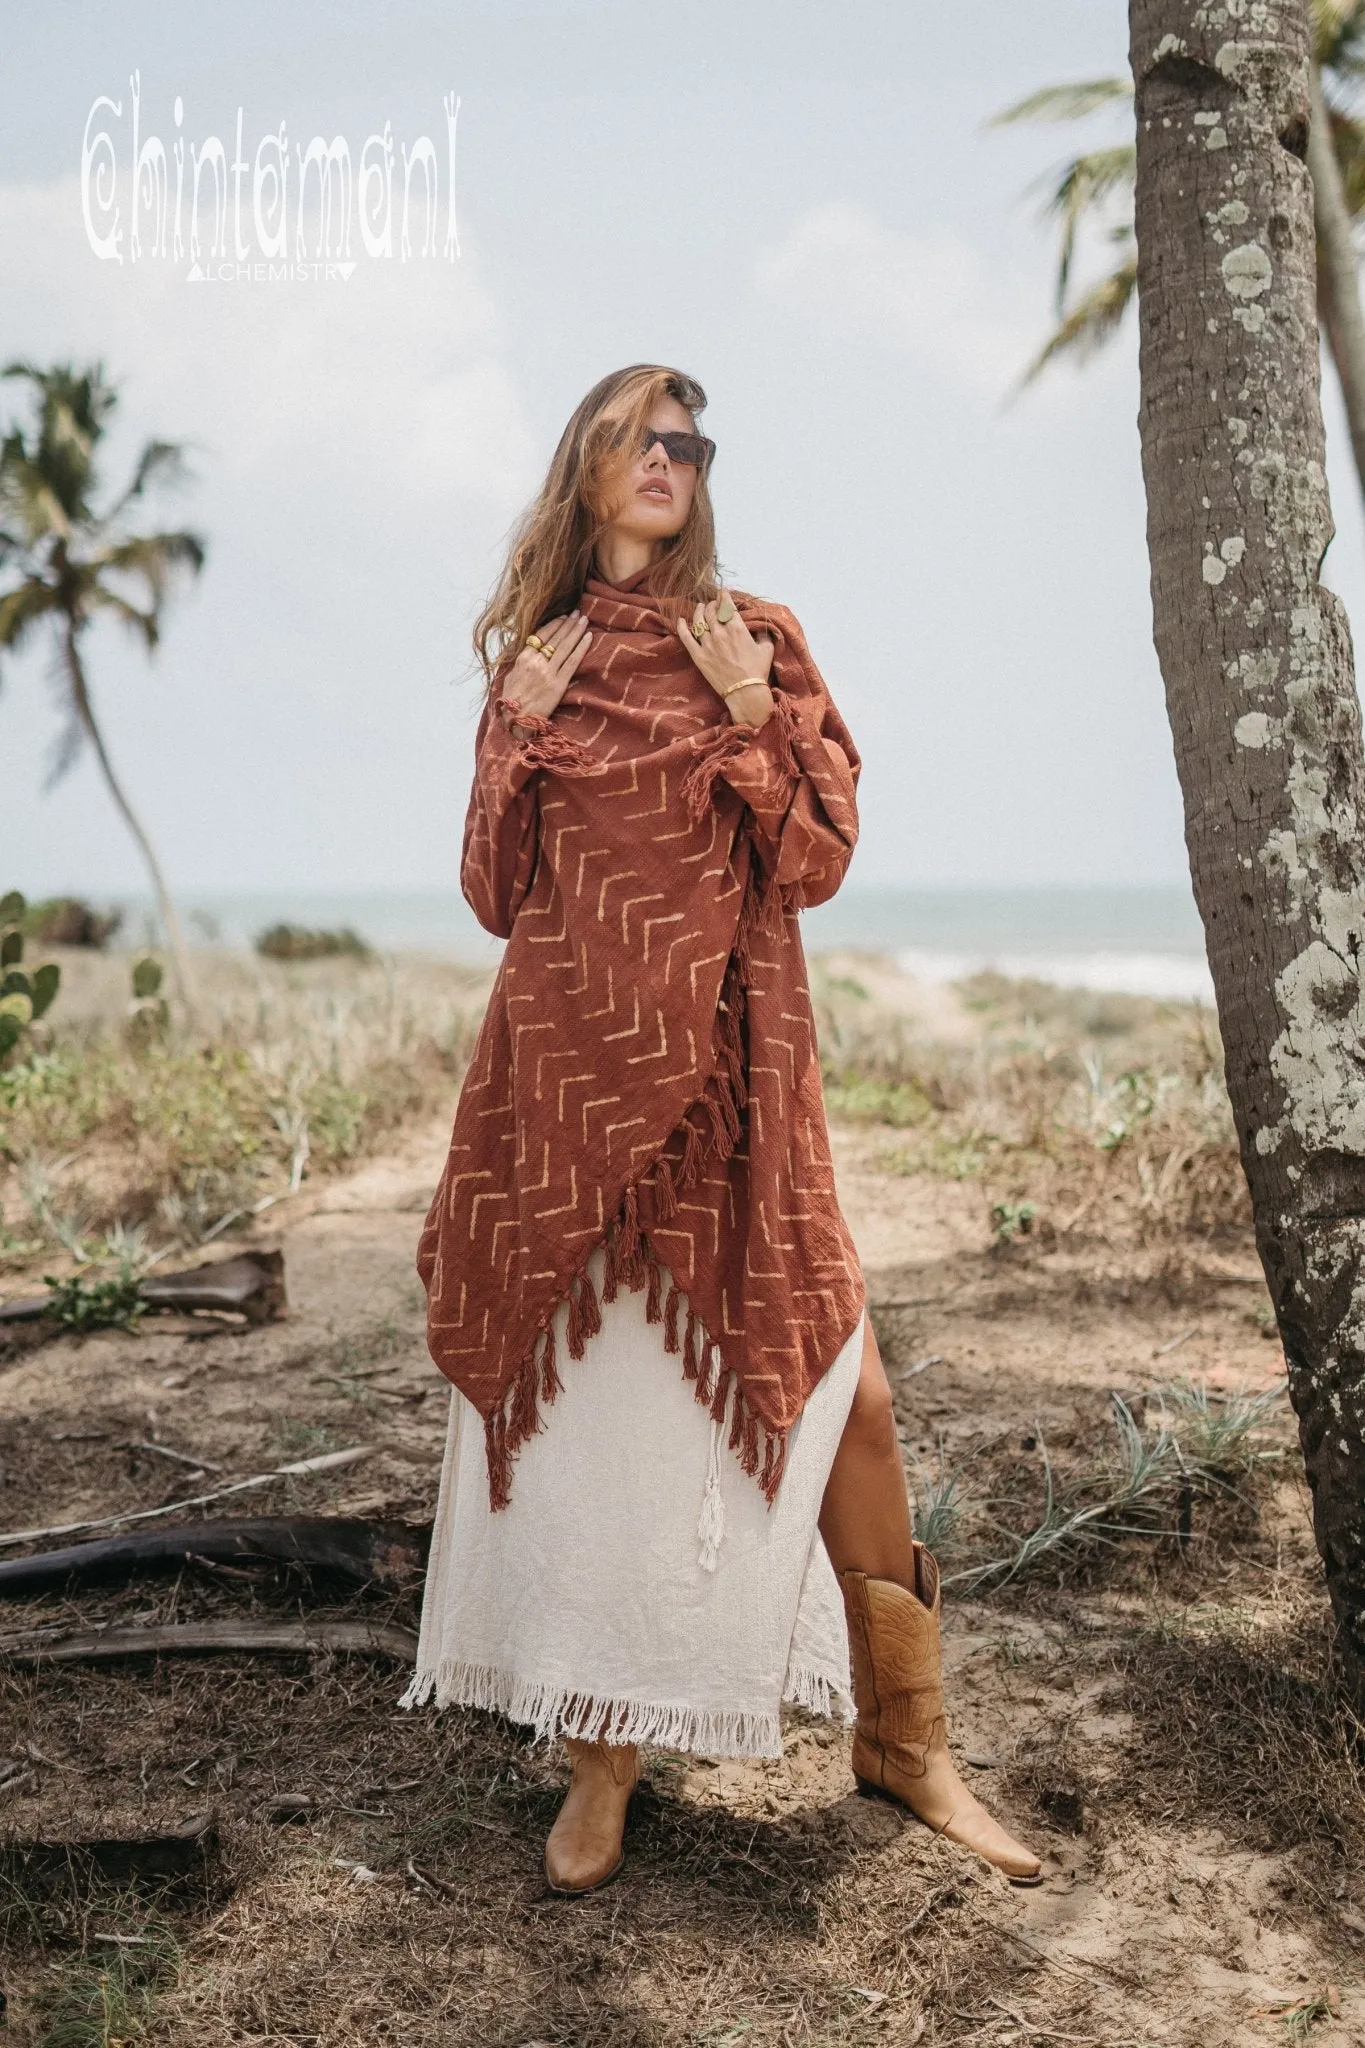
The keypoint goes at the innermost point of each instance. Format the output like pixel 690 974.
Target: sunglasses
pixel 693 449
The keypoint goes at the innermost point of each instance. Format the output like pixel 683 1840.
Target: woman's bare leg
pixel 865 1515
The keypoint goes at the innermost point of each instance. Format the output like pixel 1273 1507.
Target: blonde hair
pixel 552 548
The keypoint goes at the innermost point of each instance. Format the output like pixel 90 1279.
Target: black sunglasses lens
pixel 693 449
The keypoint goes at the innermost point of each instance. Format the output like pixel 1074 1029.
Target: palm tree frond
pixel 154 559
pixel 1091 321
pixel 1338 34
pixel 1080 189
pixel 160 463
pixel 145 625
pixel 1065 102
pixel 21 609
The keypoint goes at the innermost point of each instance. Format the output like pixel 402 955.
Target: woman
pixel 641 1542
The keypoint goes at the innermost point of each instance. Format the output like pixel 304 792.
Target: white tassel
pixel 711 1524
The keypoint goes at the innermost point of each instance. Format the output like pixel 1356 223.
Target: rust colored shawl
pixel 646 1076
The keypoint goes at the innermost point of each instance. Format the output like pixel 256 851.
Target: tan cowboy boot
pixel 584 1848
pixel 900 1746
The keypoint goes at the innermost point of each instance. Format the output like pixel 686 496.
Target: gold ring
pixel 548 652
pixel 699 629
pixel 534 640
pixel 725 612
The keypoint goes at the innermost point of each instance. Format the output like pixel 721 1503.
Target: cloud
pixel 931 294
pixel 392 379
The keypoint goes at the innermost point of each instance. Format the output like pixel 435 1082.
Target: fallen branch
pixel 178 1854
pixel 197 1638
pixel 251 1284
pixel 176 1457
pixel 389 1554
pixel 330 1461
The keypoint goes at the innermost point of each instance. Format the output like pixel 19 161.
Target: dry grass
pixel 1105 1114
pixel 1241 1724
pixel 300 1069
pixel 1137 1694
pixel 1181 1465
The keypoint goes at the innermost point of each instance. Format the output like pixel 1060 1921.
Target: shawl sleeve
pixel 498 860
pixel 502 825
pixel 798 773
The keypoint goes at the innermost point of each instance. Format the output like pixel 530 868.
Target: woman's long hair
pixel 552 548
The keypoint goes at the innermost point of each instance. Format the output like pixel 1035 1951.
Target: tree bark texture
pixel 1256 657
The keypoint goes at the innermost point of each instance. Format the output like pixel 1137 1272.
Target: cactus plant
pixel 148 1013
pixel 24 996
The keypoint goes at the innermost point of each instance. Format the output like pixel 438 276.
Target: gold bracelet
pixel 762 681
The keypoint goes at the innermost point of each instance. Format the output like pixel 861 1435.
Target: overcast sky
pixel 799 205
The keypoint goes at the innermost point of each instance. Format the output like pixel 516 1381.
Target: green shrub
pixel 68 921
pixel 108 1304
pixel 299 942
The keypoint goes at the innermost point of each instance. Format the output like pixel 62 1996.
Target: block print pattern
pixel 646 1076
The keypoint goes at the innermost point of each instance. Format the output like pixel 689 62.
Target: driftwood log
pixel 251 1284
pixel 388 1555
pixel 200 1638
pixel 172 1858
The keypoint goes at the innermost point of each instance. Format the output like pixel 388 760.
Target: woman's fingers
pixel 690 641
pixel 566 639
pixel 579 649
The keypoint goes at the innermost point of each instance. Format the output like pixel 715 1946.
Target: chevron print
pixel 646 1076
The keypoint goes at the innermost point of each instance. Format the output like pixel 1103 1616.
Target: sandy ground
pixel 1153 1926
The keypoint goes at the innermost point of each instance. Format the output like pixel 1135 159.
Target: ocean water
pixel 1145 941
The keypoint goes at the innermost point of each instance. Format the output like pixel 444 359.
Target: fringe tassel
pixel 692 1155
pixel 499 1460
pixel 523 1419
pixel 585 1316
pixel 723 743
pixel 671 1316
pixel 653 1308
pixel 550 1382
pixel 711 1521
pixel 554 1711
pixel 691 1364
pixel 774 1463
pixel 736 1424
pixel 629 1251
pixel 665 1193
pixel 748 1455
pixel 548 746
pixel 785 722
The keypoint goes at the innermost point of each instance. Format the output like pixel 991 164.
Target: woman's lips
pixel 660 491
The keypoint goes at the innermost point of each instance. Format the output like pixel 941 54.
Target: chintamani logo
pixel 268 218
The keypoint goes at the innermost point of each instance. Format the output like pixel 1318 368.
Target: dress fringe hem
pixel 552 1712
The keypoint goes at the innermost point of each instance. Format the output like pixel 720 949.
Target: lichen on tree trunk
pixel 1256 657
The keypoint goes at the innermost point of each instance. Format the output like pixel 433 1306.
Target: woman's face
pixel 650 497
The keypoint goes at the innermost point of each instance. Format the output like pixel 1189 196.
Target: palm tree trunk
pixel 80 694
pixel 1338 272
pixel 1256 658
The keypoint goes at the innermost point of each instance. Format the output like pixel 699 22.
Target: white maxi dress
pixel 638 1586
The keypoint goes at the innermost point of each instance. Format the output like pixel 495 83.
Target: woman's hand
pixel 539 676
pixel 728 653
